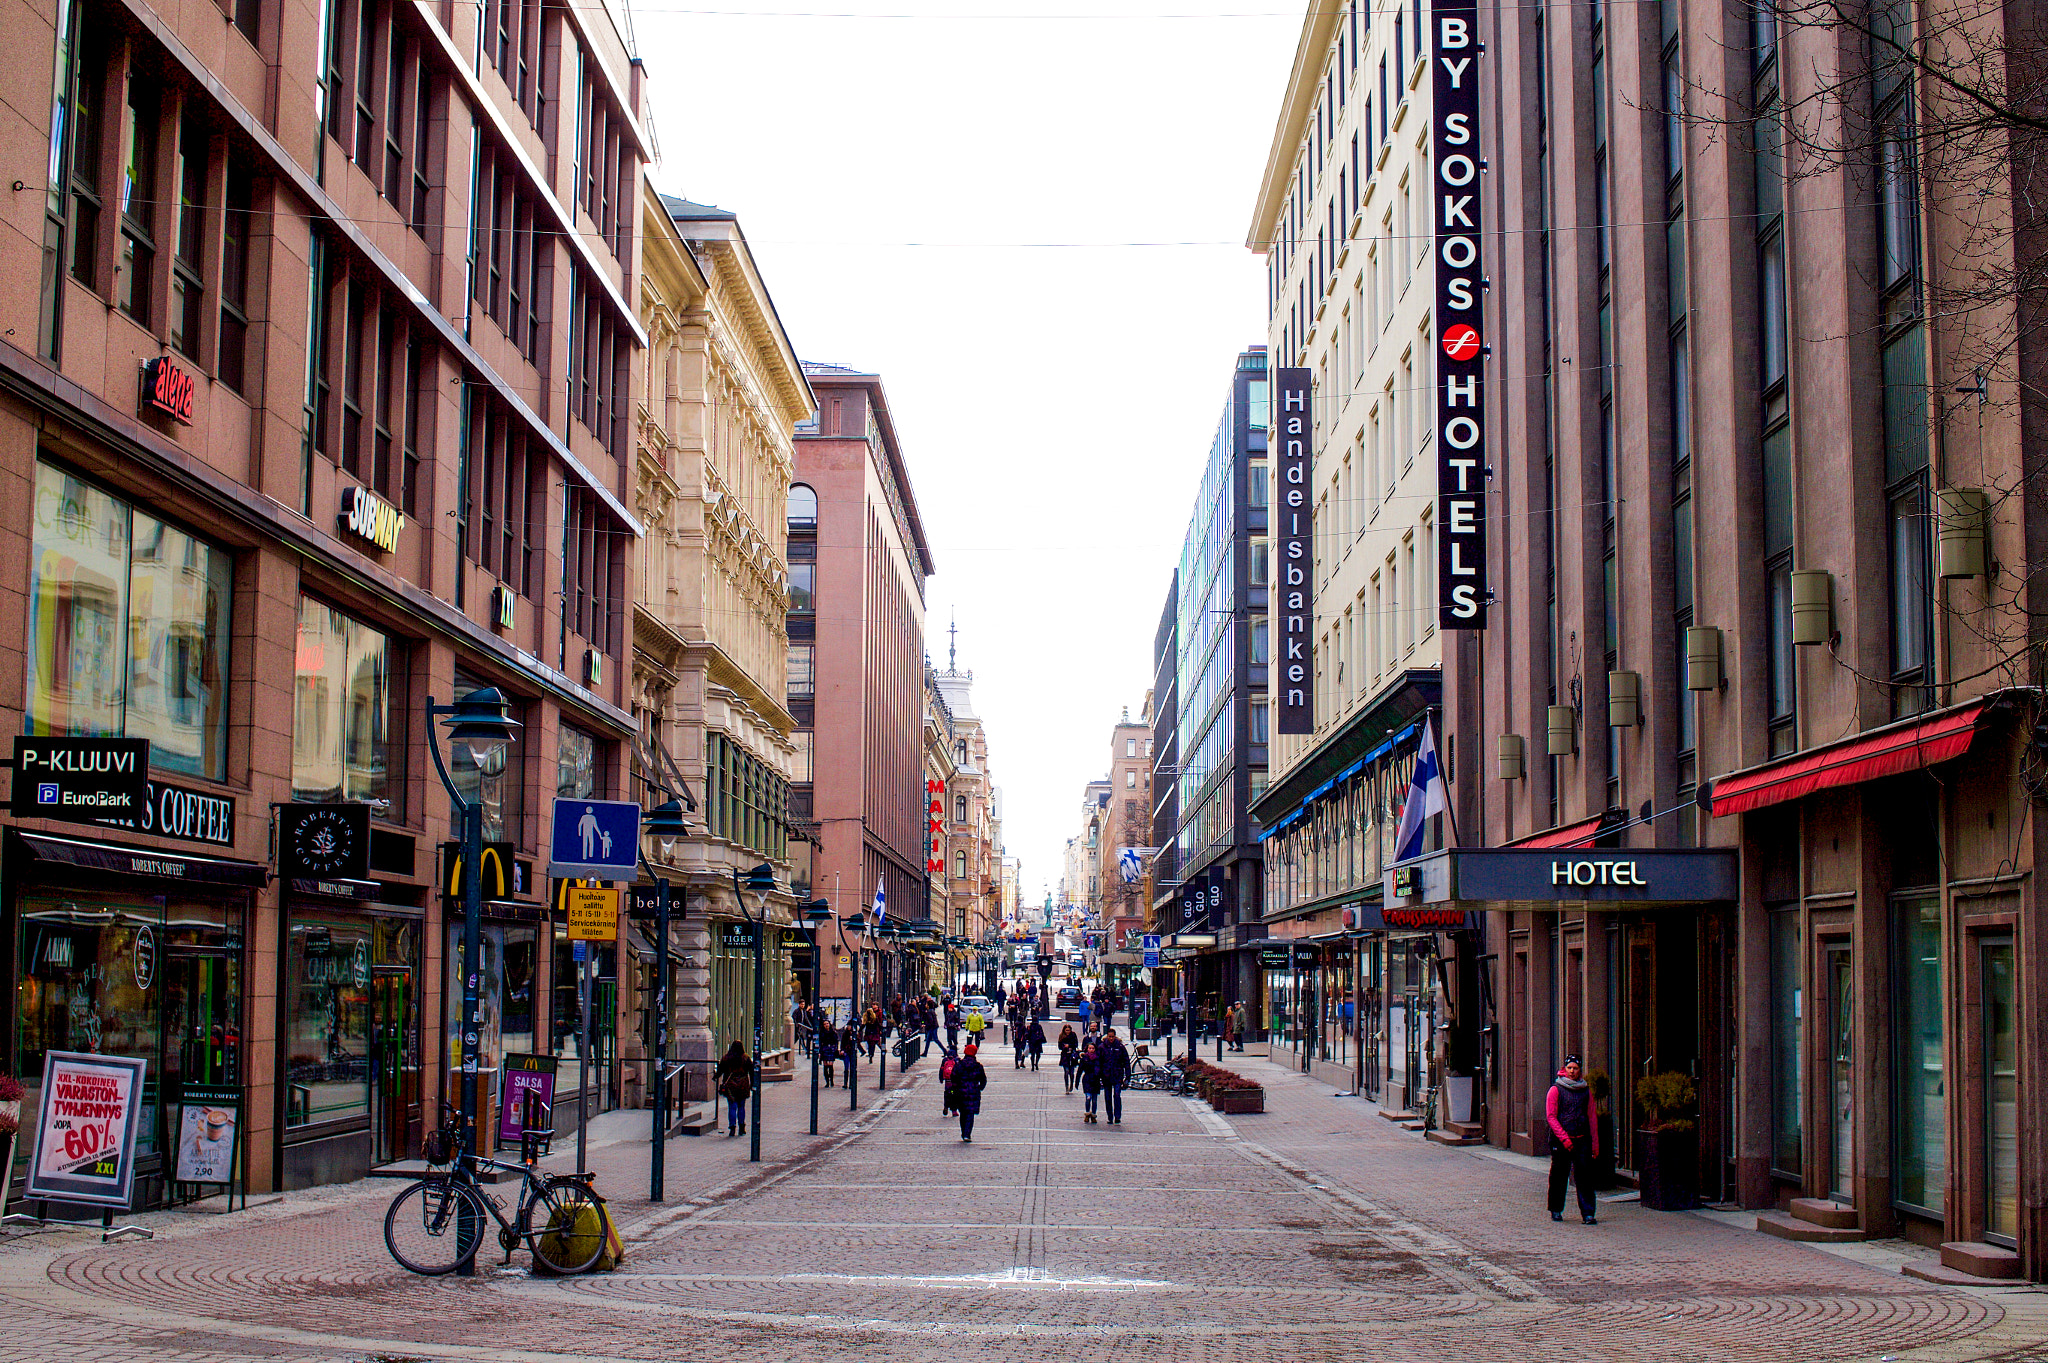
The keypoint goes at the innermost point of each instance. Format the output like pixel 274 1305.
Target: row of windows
pixel 360 344
pixel 746 802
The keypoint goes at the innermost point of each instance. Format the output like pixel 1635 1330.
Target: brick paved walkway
pixel 1314 1231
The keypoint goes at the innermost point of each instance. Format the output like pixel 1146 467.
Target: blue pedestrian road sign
pixel 595 840
pixel 1151 951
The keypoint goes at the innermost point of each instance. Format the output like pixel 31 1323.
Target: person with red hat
pixel 963 1090
pixel 1575 1139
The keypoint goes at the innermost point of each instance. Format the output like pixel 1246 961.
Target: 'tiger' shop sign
pixel 1462 592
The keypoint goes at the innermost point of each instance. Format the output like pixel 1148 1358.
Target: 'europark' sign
pixel 1540 876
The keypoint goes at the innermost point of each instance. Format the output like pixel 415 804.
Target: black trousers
pixel 1578 1163
pixel 967 1122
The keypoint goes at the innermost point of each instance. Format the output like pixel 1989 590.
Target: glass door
pixel 394 1063
pixel 1841 1073
pixel 2001 1092
pixel 202 1018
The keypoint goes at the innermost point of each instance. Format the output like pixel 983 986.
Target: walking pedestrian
pixel 1034 1037
pixel 967 1081
pixel 1085 1006
pixel 1090 1078
pixel 976 1024
pixel 875 1029
pixel 736 1085
pixel 1020 1036
pixel 828 1049
pixel 1116 1072
pixel 1576 1131
pixel 1070 1054
pixel 952 1025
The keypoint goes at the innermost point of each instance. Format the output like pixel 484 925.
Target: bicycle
pixel 436 1226
pixel 1150 1075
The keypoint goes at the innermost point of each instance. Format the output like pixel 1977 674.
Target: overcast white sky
pixel 1055 389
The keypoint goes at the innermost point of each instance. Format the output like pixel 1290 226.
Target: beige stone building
pixel 724 392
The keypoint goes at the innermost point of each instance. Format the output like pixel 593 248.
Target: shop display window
pixel 506 960
pixel 128 626
pixel 130 975
pixel 327 1019
pixel 1920 1089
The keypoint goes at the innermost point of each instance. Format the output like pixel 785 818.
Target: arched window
pixel 959 866
pixel 959 809
pixel 961 748
pixel 803 506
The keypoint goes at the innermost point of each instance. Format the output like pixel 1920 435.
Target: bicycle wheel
pixel 435 1226
pixel 565 1226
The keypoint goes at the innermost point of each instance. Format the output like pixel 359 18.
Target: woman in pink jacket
pixel 1575 1139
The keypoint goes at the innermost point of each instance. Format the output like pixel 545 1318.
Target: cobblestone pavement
pixel 1314 1231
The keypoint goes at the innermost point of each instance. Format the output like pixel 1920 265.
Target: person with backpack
pixel 946 1090
pixel 1575 1140
pixel 1089 1076
pixel 1070 1054
pixel 1116 1072
pixel 963 1091
pixel 1034 1039
pixel 735 1085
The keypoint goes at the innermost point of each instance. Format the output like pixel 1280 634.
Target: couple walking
pixel 963 1080
pixel 1100 1069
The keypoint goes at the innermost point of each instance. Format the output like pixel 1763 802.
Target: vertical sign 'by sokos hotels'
pixel 1293 683
pixel 1462 593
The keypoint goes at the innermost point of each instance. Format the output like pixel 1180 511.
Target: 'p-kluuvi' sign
pixel 1462 593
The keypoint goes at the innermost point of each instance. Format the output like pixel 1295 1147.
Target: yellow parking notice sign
pixel 593 914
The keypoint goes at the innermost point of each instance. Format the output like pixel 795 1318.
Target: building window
pixel 803 507
pixel 342 744
pixel 577 773
pixel 128 627
pixel 959 866
pixel 803 579
pixel 960 751
pixel 803 669
pixel 1787 1038
pixel 1920 1121
pixel 138 202
pixel 959 809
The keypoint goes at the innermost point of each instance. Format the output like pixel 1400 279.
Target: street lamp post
pixel 884 931
pixel 858 923
pixel 816 912
pixel 761 880
pixel 482 722
pixel 662 825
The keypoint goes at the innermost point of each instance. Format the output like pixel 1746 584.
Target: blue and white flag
pixel 1425 797
pixel 881 903
pixel 1127 865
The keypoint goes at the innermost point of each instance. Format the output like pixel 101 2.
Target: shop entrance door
pixel 394 1063
pixel 1841 1036
pixel 2001 1092
pixel 202 1018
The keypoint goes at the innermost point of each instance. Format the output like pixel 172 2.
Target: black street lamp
pixel 856 923
pixel 816 914
pixel 660 826
pixel 886 932
pixel 482 722
pixel 761 880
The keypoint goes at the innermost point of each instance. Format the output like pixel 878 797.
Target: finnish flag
pixel 1127 866
pixel 881 903
pixel 1425 797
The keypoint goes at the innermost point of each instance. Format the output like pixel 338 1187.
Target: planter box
pixel 1665 1166
pixel 1238 1101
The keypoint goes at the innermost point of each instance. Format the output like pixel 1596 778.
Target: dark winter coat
pixel 1116 1062
pixel 1034 1037
pixel 965 1085
pixel 1091 1073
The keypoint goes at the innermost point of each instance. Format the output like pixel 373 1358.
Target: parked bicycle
pixel 1151 1075
pixel 436 1226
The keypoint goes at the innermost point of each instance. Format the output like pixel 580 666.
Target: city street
pixel 1317 1230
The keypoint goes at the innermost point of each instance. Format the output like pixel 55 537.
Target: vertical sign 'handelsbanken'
pixel 1292 669
pixel 1462 592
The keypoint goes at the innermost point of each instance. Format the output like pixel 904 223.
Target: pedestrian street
pixel 1315 1230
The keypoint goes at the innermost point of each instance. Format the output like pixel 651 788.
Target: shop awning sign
pixel 595 840
pixel 86 1129
pixel 80 780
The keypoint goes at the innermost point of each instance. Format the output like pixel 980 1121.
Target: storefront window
pixel 128 619
pixel 1921 1123
pixel 327 1020
pixel 131 975
pixel 575 764
pixel 567 1029
pixel 732 988
pixel 1787 1023
pixel 494 782
pixel 506 967
pixel 341 717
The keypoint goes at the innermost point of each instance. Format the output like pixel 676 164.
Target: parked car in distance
pixel 1070 997
pixel 976 1003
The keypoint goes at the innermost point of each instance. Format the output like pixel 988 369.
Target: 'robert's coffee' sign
pixel 1293 528
pixel 80 780
pixel 1462 592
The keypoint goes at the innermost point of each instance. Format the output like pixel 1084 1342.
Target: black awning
pixel 145 862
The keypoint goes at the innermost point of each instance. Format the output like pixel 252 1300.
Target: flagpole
pixel 1450 804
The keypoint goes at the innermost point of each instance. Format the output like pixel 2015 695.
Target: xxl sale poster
pixel 86 1130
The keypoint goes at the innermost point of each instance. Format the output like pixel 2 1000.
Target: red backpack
pixel 946 1070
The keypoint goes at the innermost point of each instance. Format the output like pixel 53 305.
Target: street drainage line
pixel 1440 1252
pixel 711 1200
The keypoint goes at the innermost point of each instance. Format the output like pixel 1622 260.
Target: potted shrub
pixel 1233 1093
pixel 1667 1140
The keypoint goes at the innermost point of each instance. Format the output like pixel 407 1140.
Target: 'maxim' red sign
pixel 1462 593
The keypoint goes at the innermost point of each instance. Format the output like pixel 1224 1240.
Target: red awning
pixel 1882 752
pixel 1580 834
